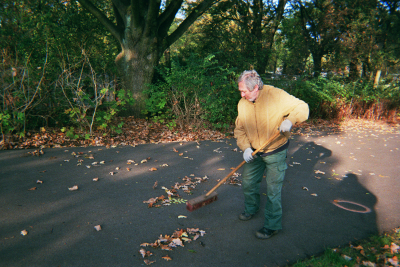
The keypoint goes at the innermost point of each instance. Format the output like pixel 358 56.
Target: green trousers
pixel 274 166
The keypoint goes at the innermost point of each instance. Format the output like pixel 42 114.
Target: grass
pixel 379 250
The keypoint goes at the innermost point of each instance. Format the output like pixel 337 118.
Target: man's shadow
pixel 321 207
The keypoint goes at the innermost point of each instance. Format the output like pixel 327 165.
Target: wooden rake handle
pixel 267 143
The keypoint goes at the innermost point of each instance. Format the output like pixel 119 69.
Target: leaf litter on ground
pixel 170 242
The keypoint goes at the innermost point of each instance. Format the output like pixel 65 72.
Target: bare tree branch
pixel 152 14
pixel 197 12
pixel 114 30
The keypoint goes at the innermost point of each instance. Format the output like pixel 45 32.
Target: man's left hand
pixel 286 126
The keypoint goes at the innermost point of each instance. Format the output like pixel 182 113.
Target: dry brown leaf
pixel 167 258
pixel 394 248
pixel 368 264
pixel 32 189
pixel 155 185
pixel 152 169
pixel 221 169
pixel 394 261
pixel 24 232
pixel 97 227
pixel 177 242
pixel 95 179
pixel 165 247
pixel 149 262
pixel 39 182
pixel 145 253
pixel 75 187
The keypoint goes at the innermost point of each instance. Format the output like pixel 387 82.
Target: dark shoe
pixel 245 216
pixel 265 233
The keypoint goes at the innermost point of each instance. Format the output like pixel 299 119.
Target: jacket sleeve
pixel 241 136
pixel 297 110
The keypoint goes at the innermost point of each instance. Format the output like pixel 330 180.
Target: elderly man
pixel 262 111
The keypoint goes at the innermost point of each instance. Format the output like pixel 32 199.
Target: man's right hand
pixel 247 155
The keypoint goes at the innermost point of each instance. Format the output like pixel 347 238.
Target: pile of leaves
pixel 137 131
pixel 134 132
pixel 168 242
pixel 172 194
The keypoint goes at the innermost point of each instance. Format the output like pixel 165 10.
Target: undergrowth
pixel 378 250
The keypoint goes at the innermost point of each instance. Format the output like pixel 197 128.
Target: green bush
pixel 193 92
pixel 327 97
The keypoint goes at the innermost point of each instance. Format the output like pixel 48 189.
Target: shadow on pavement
pixel 60 223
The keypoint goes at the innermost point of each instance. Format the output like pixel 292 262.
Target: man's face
pixel 249 95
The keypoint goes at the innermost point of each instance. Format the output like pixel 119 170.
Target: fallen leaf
pixel 155 185
pixel 152 169
pixel 95 179
pixel 24 232
pixel 165 247
pixel 167 258
pixel 394 249
pixel 314 195
pixel 39 182
pixel 149 262
pixel 145 253
pixel 221 169
pixel 75 187
pixel 97 227
pixel 304 188
pixel 177 242
pixel 33 188
pixel 144 161
pixel 368 264
pixel 394 261
pixel 182 217
pixel 347 258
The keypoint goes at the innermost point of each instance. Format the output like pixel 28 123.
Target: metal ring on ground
pixel 336 203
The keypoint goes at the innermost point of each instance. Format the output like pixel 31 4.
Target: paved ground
pixel 358 168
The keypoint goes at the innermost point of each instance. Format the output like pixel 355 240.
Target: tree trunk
pixel 265 50
pixel 377 78
pixel 136 64
pixel 317 59
pixel 354 73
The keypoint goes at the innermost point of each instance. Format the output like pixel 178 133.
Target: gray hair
pixel 251 79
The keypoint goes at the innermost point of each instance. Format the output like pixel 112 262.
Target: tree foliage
pixel 142 28
pixel 67 63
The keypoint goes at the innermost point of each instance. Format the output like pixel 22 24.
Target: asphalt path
pixel 340 187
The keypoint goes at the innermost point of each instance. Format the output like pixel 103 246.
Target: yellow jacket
pixel 258 121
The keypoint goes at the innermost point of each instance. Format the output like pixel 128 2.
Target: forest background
pixel 86 70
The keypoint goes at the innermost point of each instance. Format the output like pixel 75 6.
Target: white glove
pixel 286 126
pixel 247 155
